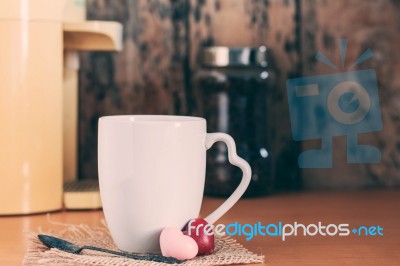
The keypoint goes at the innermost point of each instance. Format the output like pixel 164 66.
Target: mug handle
pixel 234 159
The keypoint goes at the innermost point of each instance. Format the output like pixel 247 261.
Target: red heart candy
pixel 202 233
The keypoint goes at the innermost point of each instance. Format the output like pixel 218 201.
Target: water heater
pixel 31 68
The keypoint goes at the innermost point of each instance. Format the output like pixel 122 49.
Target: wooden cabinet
pixel 153 74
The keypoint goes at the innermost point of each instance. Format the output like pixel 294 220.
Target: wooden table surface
pixel 357 208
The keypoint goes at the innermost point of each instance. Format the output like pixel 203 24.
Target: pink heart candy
pixel 174 243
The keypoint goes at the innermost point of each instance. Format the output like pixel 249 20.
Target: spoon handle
pixel 156 258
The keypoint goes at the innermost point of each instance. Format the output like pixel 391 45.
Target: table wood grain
pixel 368 207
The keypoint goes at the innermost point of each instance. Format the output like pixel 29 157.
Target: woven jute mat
pixel 227 250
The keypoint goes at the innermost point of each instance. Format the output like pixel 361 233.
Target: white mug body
pixel 151 175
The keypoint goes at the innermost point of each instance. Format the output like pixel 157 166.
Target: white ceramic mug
pixel 152 174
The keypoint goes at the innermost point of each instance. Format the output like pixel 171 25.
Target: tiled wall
pixel 162 38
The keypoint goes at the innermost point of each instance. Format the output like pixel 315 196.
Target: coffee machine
pixel 38 97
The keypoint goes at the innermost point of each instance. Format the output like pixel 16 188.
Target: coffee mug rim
pixel 151 118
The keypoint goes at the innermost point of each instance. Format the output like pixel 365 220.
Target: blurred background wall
pixel 162 38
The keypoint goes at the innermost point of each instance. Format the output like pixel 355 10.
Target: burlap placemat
pixel 227 250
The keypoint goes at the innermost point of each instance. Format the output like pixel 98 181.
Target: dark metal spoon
pixel 54 242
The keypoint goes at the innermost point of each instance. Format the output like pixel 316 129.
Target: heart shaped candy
pixel 196 229
pixel 174 243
